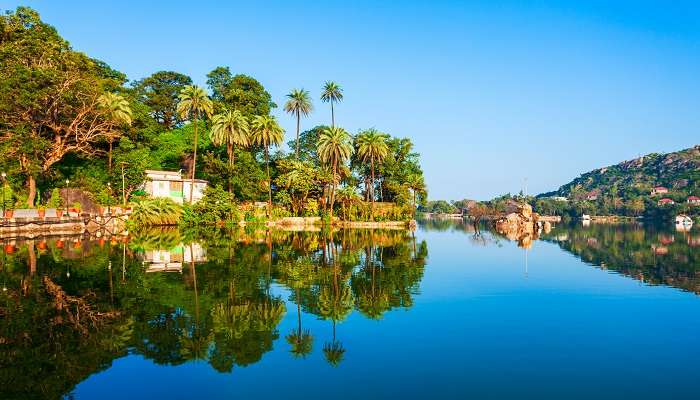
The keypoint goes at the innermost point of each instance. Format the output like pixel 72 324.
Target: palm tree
pixel 332 93
pixel 416 183
pixel 193 103
pixel 118 112
pixel 267 132
pixel 372 147
pixel 334 148
pixel 299 103
pixel 230 128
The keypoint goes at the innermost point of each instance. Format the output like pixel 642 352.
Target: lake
pixel 601 311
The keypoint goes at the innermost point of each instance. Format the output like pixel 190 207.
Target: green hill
pixel 678 171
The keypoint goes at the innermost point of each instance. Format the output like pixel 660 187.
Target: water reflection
pixel 72 305
pixel 652 254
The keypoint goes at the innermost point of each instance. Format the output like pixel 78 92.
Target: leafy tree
pixel 239 92
pixel 48 93
pixel 298 104
pixel 194 103
pixel 160 93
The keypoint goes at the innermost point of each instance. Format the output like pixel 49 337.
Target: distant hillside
pixel 678 171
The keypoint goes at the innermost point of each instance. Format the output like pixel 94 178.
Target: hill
pixel 678 171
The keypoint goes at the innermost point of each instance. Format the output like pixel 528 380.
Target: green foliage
pixel 217 207
pixel 155 212
pixel 8 195
pixel 55 201
pixel 48 90
pixel 159 92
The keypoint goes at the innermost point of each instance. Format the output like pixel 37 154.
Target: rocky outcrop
pixel 521 225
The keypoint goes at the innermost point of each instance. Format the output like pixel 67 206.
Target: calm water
pixel 585 312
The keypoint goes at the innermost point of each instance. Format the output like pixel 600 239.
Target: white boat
pixel 585 217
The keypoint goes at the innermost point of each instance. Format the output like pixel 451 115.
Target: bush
pixel 55 200
pixel 215 208
pixel 8 194
pixel 155 212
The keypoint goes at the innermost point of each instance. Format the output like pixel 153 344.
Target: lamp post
pixel 66 205
pixel 4 175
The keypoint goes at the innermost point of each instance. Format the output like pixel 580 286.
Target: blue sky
pixel 490 92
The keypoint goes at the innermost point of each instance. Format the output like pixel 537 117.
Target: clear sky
pixel 491 92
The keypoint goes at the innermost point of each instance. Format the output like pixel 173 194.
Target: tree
pixel 193 103
pixel 239 92
pixel 334 149
pixel 160 93
pixel 299 103
pixel 416 183
pixel 372 147
pixel 332 93
pixel 119 112
pixel 219 80
pixel 48 97
pixel 230 128
pixel 267 132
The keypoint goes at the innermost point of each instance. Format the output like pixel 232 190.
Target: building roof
pixel 660 188
pixel 169 176
pixel 691 198
pixel 665 200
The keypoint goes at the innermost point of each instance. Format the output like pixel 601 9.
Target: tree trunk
pixel 414 204
pixel 334 184
pixel 31 183
pixel 372 167
pixel 332 115
pixel 298 126
pixel 229 150
pixel 194 159
pixel 31 257
pixel 109 157
pixel 269 184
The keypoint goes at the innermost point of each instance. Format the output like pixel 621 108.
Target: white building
pixel 172 260
pixel 172 185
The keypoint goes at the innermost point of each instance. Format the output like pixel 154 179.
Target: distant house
pixel 171 185
pixel 666 202
pixel 593 195
pixel 694 200
pixel 659 190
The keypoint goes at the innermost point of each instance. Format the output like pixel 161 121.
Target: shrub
pixel 9 196
pixel 154 212
pixel 311 208
pixel 55 200
pixel 216 207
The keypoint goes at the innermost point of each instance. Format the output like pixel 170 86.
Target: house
pixel 173 259
pixel 172 185
pixel 659 190
pixel 593 195
pixel 695 200
pixel 666 202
